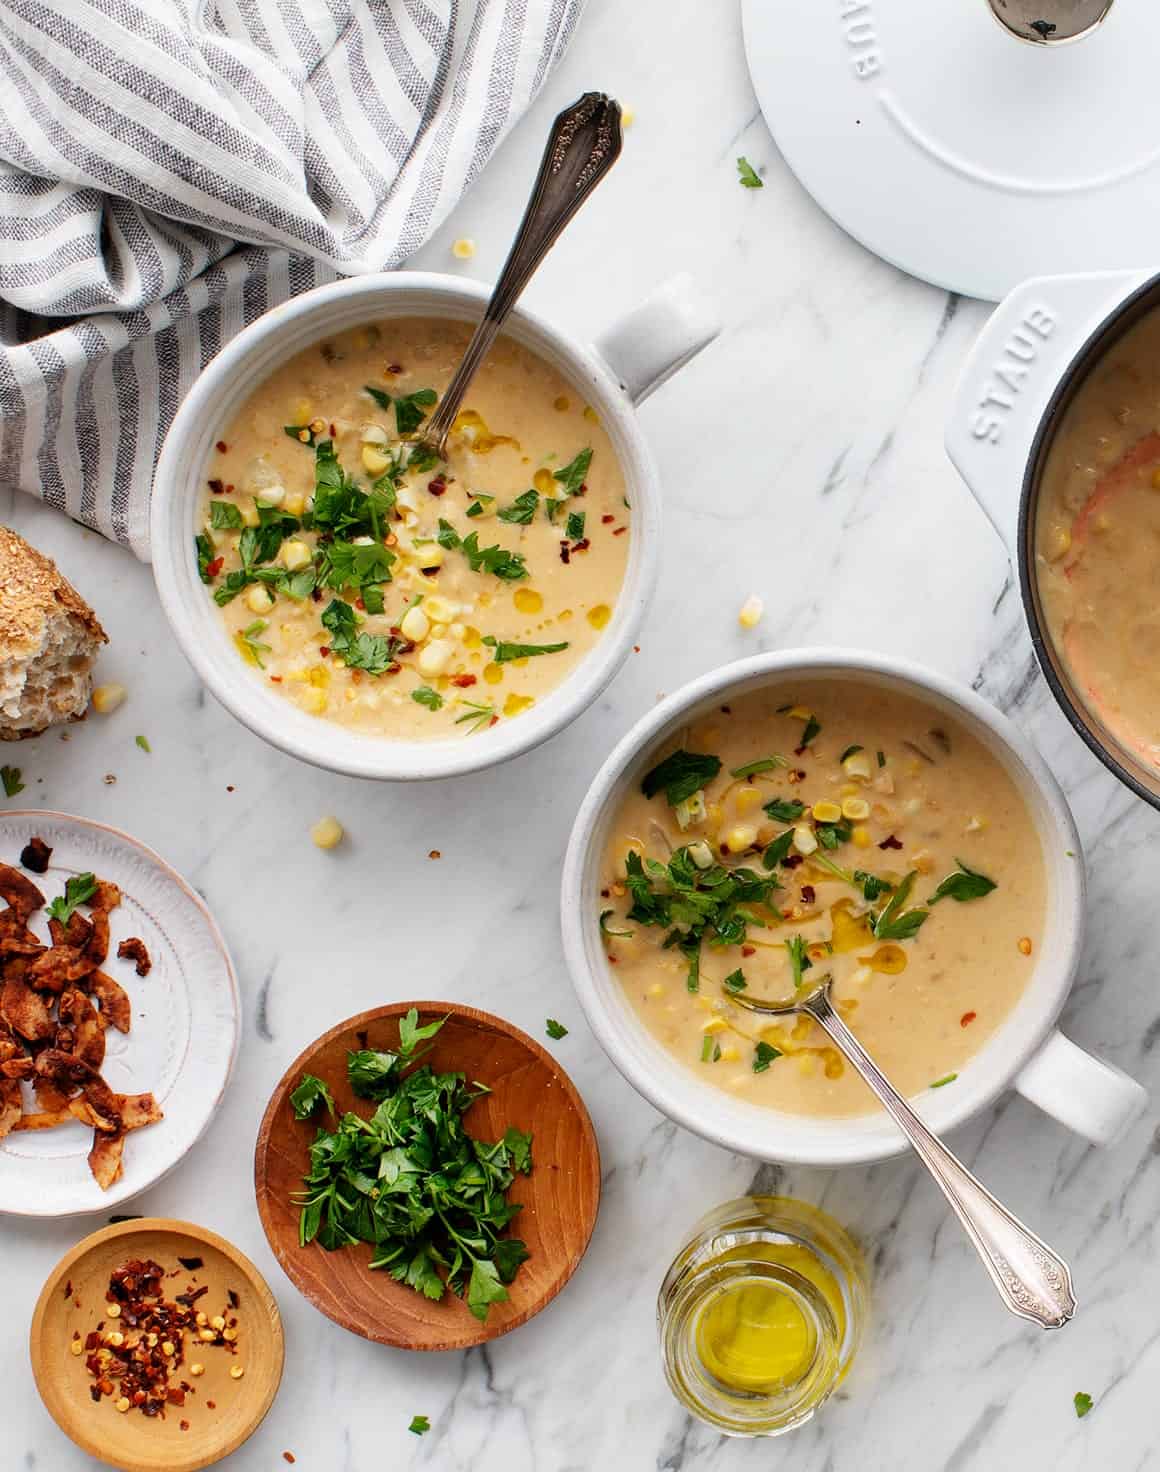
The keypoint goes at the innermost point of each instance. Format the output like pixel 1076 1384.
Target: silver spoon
pixel 583 145
pixel 1032 1281
pixel 1049 22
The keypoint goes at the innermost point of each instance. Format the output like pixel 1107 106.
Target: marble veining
pixel 802 460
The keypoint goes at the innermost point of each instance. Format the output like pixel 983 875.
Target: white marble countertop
pixel 829 495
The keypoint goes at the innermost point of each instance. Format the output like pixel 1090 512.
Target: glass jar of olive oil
pixel 760 1314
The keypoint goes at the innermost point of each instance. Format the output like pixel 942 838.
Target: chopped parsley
pixel 522 509
pixel 205 556
pixel 881 758
pixel 849 752
pixel 424 695
pixel 224 516
pixel 250 640
pixel 78 890
pixel 381 398
pixel 966 884
pixel 748 177
pixel 352 565
pixel 574 526
pixel 778 850
pixel 358 651
pixel 680 775
pixel 571 476
pixel 556 1030
pixel 812 730
pixel 10 777
pixel 947 1078
pixel 798 959
pixel 477 717
pixel 872 885
pixel 419 1425
pixel 429 1198
pixel 710 1049
pixel 735 981
pixel 763 1056
pixel 830 835
pixel 497 560
pixel 606 929
pixel 764 764
pixel 784 809
pixel 411 409
pixel 143 743
pixel 893 922
pixel 311 1092
pixel 301 434
pixel 505 652
pixel 1082 1402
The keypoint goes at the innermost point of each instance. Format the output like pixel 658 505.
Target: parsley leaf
pixel 340 508
pixel 522 509
pixel 893 922
pixel 143 743
pixel 778 850
pixel 716 905
pixel 297 431
pixel 497 560
pixel 556 1029
pixel 784 809
pixel 940 1083
pixel 411 409
pixel 419 1424
pixel 224 516
pixel 382 399
pixel 966 884
pixel 798 959
pixel 830 835
pixel 485 1288
pixel 812 730
pixel 763 764
pixel 873 885
pixel 763 1056
pixel 680 775
pixel 1082 1402
pixel 574 526
pixel 505 651
pixel 351 565
pixel 311 1092
pixel 748 177
pixel 571 477
pixel 10 777
pixel 78 890
pixel 424 695
pixel 358 651
pixel 735 981
pixel 205 555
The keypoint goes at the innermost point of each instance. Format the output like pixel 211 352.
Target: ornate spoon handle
pixel 583 145
pixel 1032 1281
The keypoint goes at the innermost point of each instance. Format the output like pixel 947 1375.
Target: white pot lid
pixel 959 153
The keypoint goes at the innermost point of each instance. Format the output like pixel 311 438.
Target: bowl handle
pixel 667 330
pixel 1092 1097
pixel 1011 372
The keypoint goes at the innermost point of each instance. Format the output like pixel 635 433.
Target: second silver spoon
pixel 1032 1280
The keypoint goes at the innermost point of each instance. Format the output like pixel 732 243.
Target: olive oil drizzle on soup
pixel 837 828
pixel 393 593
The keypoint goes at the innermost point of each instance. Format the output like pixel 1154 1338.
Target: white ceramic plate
pixel 957 152
pixel 184 1033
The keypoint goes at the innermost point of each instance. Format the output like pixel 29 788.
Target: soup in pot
pixel 370 583
pixel 828 827
pixel 1097 541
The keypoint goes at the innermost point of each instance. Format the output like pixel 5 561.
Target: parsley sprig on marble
pixel 429 1198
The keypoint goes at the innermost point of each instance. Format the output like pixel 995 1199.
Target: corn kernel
pixel 855 808
pixel 751 610
pixel 1024 945
pixel 857 765
pixel 259 599
pixel 860 837
pixel 416 625
pixel 714 1024
pixel 701 854
pixel 106 698
pixel 250 515
pixel 435 657
pixel 826 812
pixel 313 701
pixel 463 249
pixel 729 1054
pixel 294 504
pixel 923 861
pixel 374 434
pixel 740 837
pixel 439 631
pixel 273 494
pixel 326 833
pixel 804 840
pixel 295 555
pixel 440 610
pixel 374 461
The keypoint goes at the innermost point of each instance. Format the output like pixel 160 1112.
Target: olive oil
pixel 760 1315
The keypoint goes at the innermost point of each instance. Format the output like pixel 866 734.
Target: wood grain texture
pixel 560 1197
pixel 132 1441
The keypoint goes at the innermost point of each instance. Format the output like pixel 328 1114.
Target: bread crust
pixel 31 590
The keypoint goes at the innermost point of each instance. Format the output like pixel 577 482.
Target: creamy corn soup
pixel 1097 541
pixel 823 827
pixel 402 596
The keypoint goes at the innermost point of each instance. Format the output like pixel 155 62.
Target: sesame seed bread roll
pixel 49 639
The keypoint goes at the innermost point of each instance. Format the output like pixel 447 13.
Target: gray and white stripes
pixel 171 168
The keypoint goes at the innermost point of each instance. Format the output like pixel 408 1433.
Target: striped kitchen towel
pixel 169 169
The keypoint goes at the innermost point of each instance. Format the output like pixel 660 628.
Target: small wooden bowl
pixel 132 1441
pixel 560 1197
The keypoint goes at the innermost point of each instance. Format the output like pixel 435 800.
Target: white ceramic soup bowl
pixel 617 373
pixel 1027 1053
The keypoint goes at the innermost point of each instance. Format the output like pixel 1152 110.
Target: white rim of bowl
pixel 755 1130
pixel 192 616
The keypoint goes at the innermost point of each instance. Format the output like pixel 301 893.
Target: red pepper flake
pixel 582 545
pixel 395 368
pixel 791 861
pixel 229 489
pixel 726 710
pixel 316 595
pixel 333 431
pixel 607 519
pixel 583 491
pixel 274 680
pixel 434 854
pixel 360 605
pixel 809 894
pixel 184 1425
pixel 493 722
pixel 438 485
pixel 222 447
pixel 211 1405
pixel 620 531
pixel 636 649
pixel 890 842
pixel 967 1018
pixel 604 893
pixel 68 1291
pixel 229 788
pixel 324 650
pixel 611 959
pixel 749 950
pixel 216 486
pixel 214 566
pixel 463 681
pixel 565 553
pixel 288 1457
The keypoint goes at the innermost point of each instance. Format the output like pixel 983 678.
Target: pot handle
pixel 1092 1097
pixel 1011 372
pixel 668 329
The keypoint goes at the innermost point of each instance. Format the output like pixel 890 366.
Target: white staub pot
pixel 615 374
pixel 1031 358
pixel 1027 1053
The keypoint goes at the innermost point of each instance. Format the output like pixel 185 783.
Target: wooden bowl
pixel 132 1441
pixel 560 1197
